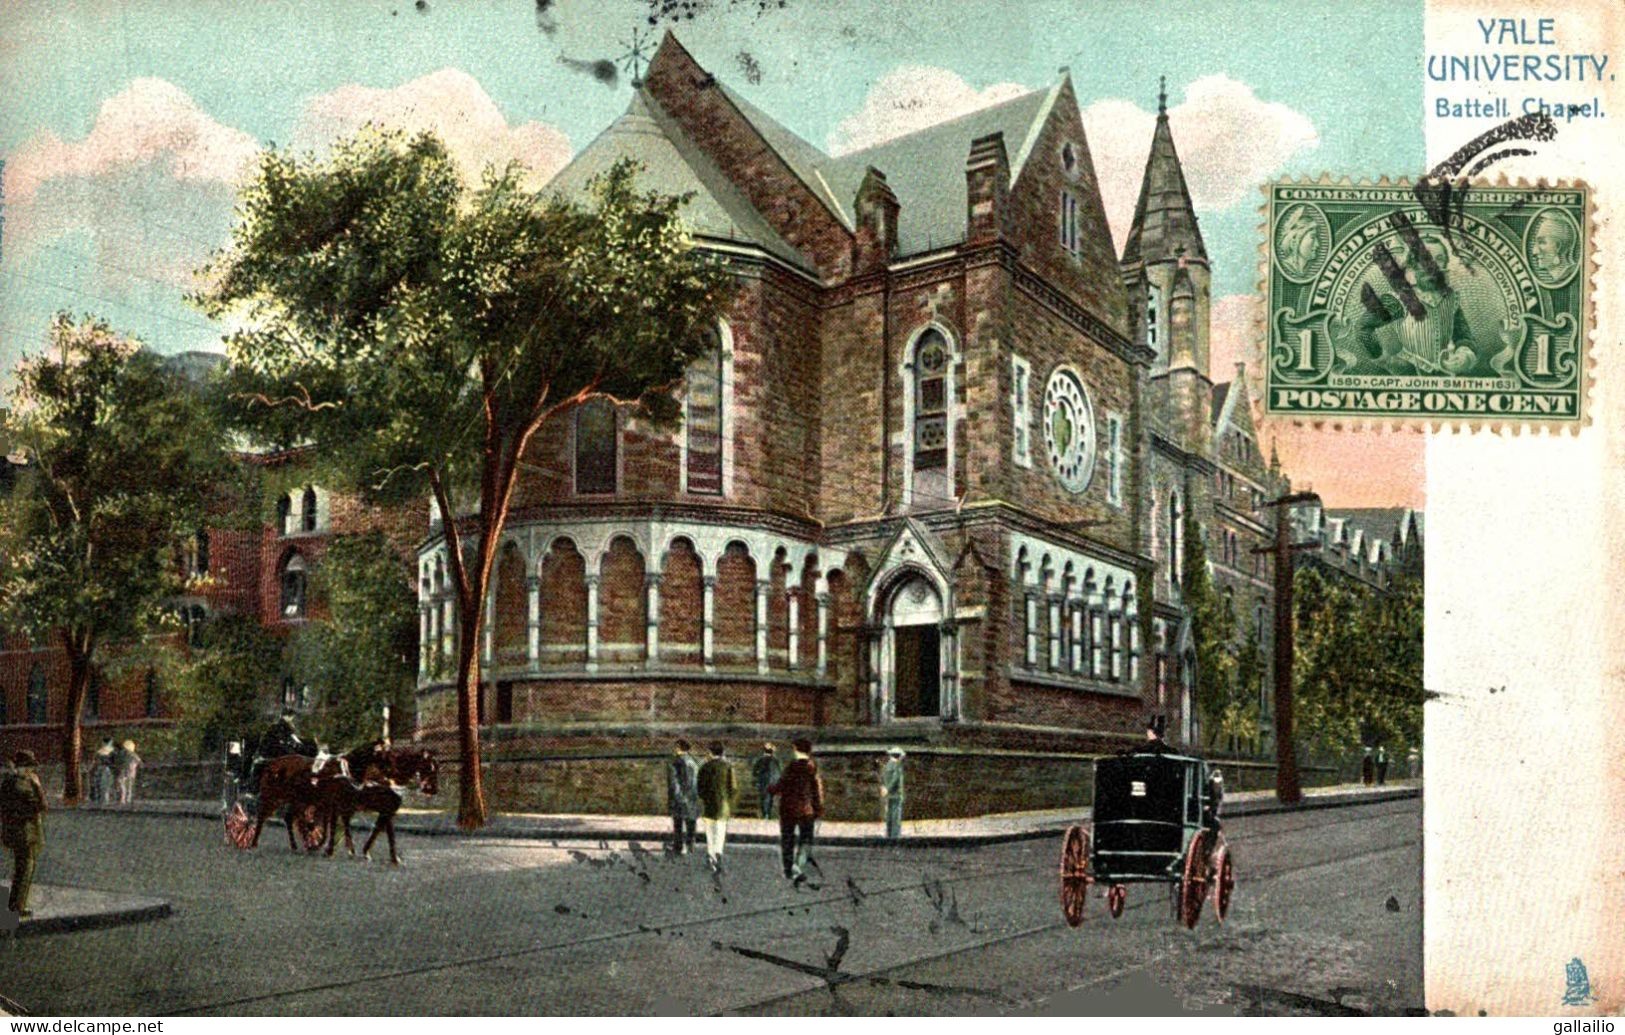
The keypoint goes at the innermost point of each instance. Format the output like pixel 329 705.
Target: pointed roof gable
pixel 673 164
pixel 1233 405
pixel 926 168
pixel 1164 218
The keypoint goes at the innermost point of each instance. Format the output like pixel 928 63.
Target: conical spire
pixel 1164 219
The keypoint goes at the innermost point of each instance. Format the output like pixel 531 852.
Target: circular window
pixel 1069 430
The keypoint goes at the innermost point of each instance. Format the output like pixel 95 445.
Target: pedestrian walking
pixel 801 802
pixel 22 827
pixel 765 770
pixel 1382 765
pixel 1368 768
pixel 101 776
pixel 891 792
pixel 126 762
pixel 1413 763
pixel 683 797
pixel 718 793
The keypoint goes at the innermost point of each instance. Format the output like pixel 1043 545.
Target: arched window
pixel 597 444
pixel 284 511
pixel 307 509
pixel 931 402
pixel 1153 329
pixel 152 693
pixel 703 421
pixel 293 588
pixel 200 552
pixel 38 696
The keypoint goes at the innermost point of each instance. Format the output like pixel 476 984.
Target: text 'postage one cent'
pixel 1427 304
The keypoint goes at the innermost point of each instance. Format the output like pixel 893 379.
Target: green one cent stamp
pixel 1421 305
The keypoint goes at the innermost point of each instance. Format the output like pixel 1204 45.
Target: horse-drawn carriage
pixel 1155 822
pixel 317 794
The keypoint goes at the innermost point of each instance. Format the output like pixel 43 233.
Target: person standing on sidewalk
pixel 718 792
pixel 765 769
pixel 682 797
pixel 101 777
pixel 801 803
pixel 127 762
pixel 22 827
pixel 891 792
pixel 1382 765
pixel 1368 768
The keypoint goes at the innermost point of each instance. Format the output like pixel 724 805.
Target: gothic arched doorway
pixel 914 629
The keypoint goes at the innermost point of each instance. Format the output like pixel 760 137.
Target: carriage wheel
pixel 1116 895
pixel 307 829
pixel 239 828
pixel 1193 886
pixel 1075 877
pixel 1225 883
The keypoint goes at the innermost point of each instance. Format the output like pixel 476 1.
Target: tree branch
pixel 303 400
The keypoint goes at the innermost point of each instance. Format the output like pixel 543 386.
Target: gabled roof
pixel 1390 524
pixel 1220 394
pixel 673 164
pixel 1164 218
pixel 925 169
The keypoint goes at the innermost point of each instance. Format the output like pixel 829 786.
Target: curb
pixel 662 833
pixel 150 909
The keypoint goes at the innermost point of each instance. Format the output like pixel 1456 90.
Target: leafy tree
pixel 220 688
pixel 120 454
pixel 1213 626
pixel 360 653
pixel 418 332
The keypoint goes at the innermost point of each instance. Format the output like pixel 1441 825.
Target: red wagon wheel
pixel 1075 878
pixel 1193 885
pixel 1224 884
pixel 1116 895
pixel 239 828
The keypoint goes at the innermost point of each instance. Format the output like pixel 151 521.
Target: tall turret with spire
pixel 1165 268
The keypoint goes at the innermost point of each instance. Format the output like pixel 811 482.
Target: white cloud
pixel 1229 142
pixel 909 98
pixel 453 105
pixel 149 122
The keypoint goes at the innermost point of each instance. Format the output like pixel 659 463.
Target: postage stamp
pixel 1391 302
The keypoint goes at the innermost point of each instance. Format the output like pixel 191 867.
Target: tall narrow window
pixel 1114 459
pixel 38 696
pixel 152 693
pixel 200 552
pixel 931 402
pixel 1176 542
pixel 702 422
pixel 1069 221
pixel 284 511
pixel 596 446
pixel 1153 328
pixel 307 509
pixel 1021 413
pixel 293 588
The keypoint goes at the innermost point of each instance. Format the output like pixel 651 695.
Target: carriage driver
pixel 1213 800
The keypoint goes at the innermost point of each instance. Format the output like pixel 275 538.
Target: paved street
pixel 1326 918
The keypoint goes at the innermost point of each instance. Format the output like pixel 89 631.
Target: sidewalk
pixel 58 909
pixel 922 833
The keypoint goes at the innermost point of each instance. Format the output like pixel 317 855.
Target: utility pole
pixel 1287 786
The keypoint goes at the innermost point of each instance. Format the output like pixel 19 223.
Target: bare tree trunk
pixel 72 736
pixel 471 790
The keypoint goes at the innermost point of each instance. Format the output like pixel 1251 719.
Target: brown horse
pixel 286 783
pixel 385 771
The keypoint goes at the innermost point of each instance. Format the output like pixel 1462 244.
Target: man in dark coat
pixel 683 797
pixel 718 792
pixel 1382 765
pixel 1153 744
pixel 801 803
pixel 765 769
pixel 22 827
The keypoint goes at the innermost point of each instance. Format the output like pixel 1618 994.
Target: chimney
pixel 877 208
pixel 987 186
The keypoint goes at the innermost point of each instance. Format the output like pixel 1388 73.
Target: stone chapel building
pixel 930 488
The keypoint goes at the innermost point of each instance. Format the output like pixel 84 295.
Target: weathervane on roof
pixel 634 59
pixel 1162 95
